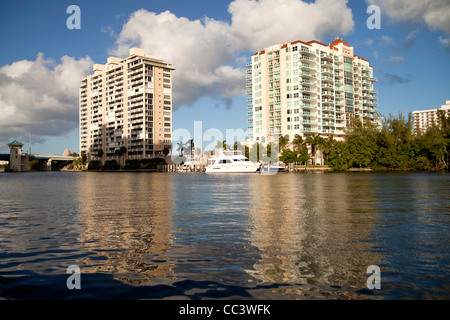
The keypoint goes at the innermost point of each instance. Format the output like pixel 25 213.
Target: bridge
pixel 19 161
pixel 5 157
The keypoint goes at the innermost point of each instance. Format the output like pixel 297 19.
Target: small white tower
pixel 18 161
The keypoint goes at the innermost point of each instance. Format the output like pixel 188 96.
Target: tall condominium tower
pixel 308 87
pixel 423 119
pixel 127 103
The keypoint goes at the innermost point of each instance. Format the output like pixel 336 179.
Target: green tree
pixel 339 156
pixel 166 151
pixel 298 141
pixel 221 145
pixel 100 154
pixel 288 156
pixel 120 153
pixel 316 142
pixel 283 141
pixel 83 157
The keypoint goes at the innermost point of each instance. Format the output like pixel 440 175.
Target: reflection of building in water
pixel 311 228
pixel 126 221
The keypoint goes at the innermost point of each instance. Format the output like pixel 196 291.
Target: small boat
pixel 231 162
pixel 191 164
pixel 269 169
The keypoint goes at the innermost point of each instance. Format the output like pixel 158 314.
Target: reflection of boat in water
pixel 231 162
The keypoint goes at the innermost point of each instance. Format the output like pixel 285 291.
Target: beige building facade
pixel 308 87
pixel 423 119
pixel 126 103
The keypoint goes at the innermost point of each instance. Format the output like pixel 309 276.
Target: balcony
pixel 309 129
pixel 307 66
pixel 306 58
pixel 304 49
pixel 327 78
pixel 309 114
pixel 328 63
pixel 307 74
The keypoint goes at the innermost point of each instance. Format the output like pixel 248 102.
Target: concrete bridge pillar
pixel 45 165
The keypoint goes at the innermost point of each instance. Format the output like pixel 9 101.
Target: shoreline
pixel 296 170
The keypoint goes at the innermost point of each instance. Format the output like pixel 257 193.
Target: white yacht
pixel 231 162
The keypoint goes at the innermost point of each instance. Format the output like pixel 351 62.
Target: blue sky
pixel 409 54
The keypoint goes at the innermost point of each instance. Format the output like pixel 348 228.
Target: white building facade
pixel 308 87
pixel 126 103
pixel 423 119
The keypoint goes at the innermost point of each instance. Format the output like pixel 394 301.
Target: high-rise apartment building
pixel 423 119
pixel 308 87
pixel 127 103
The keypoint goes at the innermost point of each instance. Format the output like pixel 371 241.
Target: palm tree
pixel 190 146
pixel 180 147
pixel 316 142
pixel 298 141
pixel 166 151
pixel 328 146
pixel 283 141
pixel 221 145
pixel 100 154
pixel 121 152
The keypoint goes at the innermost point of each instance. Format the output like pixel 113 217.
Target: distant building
pixel 18 161
pixel 126 103
pixel 308 87
pixel 66 152
pixel 423 119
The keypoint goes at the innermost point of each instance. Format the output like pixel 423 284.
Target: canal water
pixel 236 236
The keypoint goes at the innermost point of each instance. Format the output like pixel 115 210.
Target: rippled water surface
pixel 241 236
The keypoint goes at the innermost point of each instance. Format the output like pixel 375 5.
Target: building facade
pixel 18 161
pixel 126 103
pixel 308 87
pixel 423 119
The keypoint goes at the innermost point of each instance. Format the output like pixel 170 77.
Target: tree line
pixel 393 146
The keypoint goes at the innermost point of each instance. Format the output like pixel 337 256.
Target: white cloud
pixel 198 50
pixel 435 14
pixel 258 24
pixel 387 40
pixel 396 59
pixel 207 54
pixel 445 41
pixel 40 97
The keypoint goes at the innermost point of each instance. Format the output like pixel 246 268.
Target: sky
pixel 208 42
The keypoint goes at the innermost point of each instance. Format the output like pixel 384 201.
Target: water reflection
pixel 312 228
pixel 127 224
pixel 282 235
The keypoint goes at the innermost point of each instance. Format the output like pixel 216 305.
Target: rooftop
pixel 15 143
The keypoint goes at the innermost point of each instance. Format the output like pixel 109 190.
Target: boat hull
pixel 232 169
